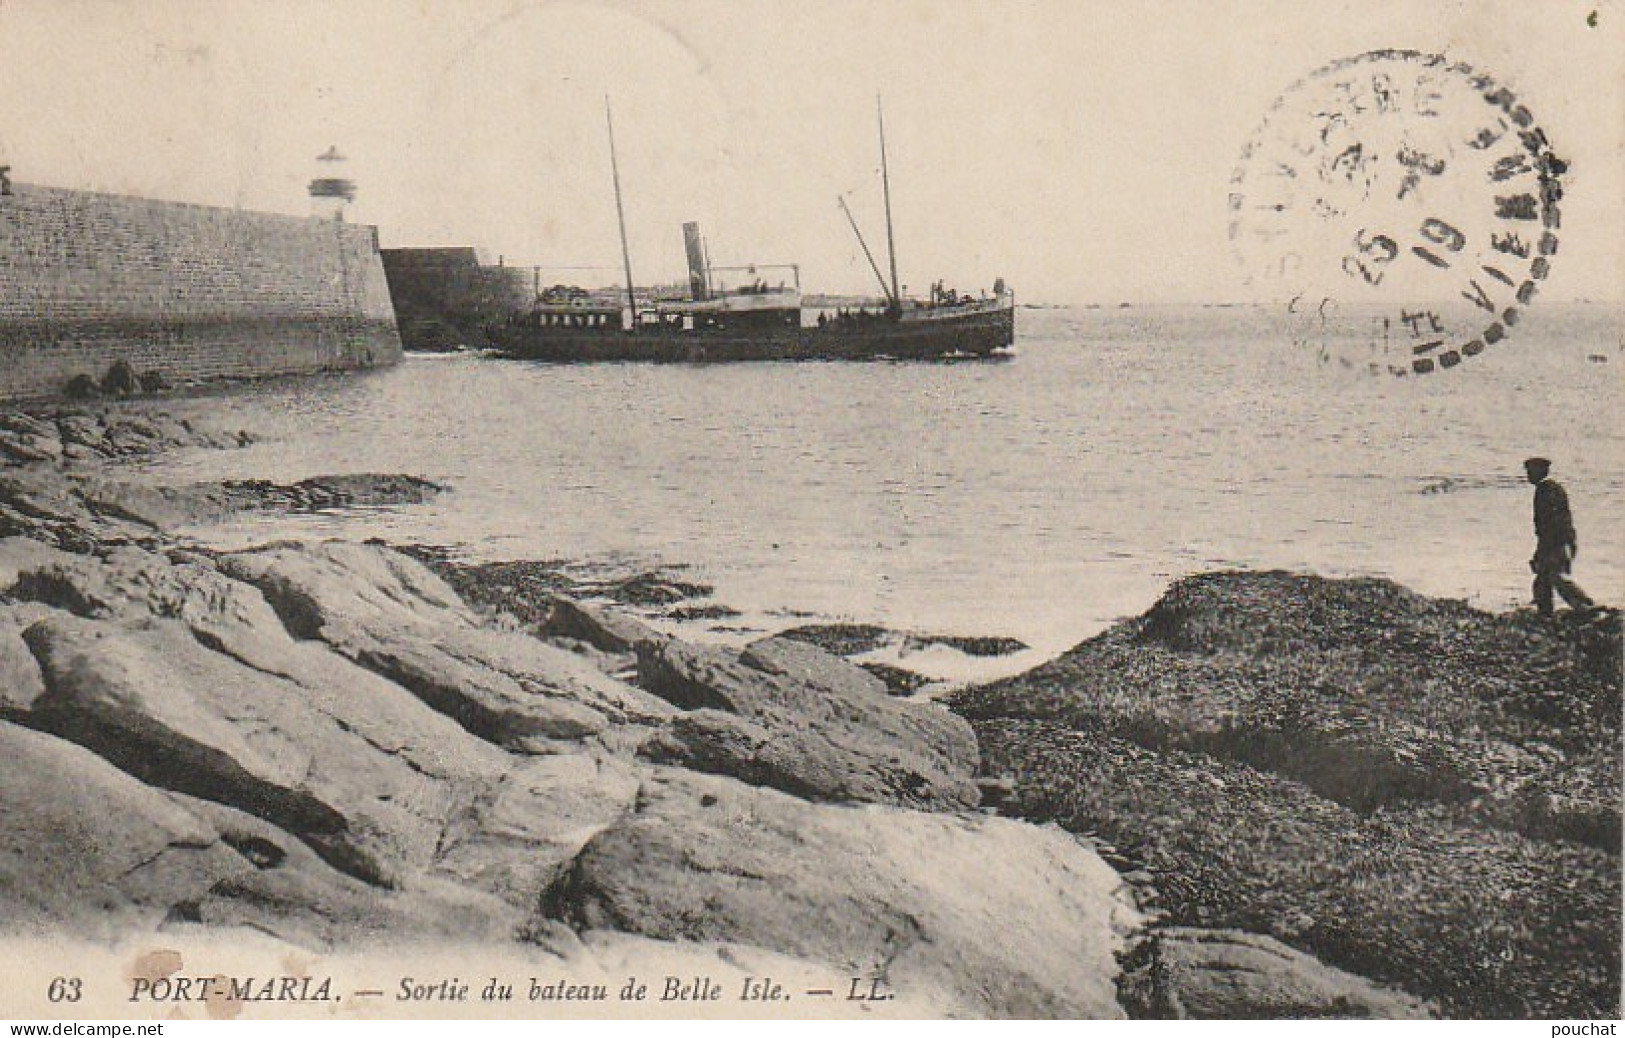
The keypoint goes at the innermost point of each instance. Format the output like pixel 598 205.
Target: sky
pixel 1080 150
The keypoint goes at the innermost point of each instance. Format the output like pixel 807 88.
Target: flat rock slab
pixel 805 724
pixel 133 586
pixel 1193 974
pixel 983 916
pixel 154 701
pixel 187 678
pixel 388 613
pixel 87 849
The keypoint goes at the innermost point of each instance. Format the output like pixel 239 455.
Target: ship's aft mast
pixel 885 187
pixel 620 215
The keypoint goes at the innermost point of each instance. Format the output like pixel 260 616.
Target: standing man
pixel 1555 543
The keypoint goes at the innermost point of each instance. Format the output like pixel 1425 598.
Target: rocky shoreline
pixel 1409 788
pixel 337 744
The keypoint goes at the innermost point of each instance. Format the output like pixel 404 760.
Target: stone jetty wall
pixel 181 293
pixel 446 297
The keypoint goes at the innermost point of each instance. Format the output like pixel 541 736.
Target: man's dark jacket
pixel 1554 525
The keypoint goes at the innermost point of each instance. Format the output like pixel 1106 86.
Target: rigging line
pixel 867 254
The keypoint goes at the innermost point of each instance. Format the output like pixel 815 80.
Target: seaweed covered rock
pixel 318 493
pixel 1410 789
pixel 1185 973
pixel 1366 692
pixel 1486 922
pixel 523 589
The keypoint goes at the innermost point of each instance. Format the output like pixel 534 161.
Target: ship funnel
pixel 698 284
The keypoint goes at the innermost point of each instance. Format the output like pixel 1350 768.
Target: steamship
pixel 725 318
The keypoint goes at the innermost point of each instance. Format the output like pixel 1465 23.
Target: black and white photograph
pixel 669 510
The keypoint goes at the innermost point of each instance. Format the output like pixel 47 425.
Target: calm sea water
pixel 1040 497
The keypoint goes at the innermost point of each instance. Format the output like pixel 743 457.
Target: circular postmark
pixel 1398 209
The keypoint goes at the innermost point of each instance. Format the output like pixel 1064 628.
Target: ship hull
pixel 978 334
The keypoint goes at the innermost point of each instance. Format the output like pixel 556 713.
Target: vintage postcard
pixel 666 509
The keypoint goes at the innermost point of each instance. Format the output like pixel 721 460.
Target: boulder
pixel 82 429
pixel 1193 974
pixel 987 917
pixel 130 582
pixel 142 504
pixel 71 513
pixel 293 895
pixel 120 379
pixel 25 446
pixel 810 665
pixel 721 743
pixel 27 425
pixel 604 629
pixel 25 555
pixel 506 687
pixel 338 585
pixel 43 510
pixel 87 849
pixel 835 740
pixel 515 841
pixel 20 680
pixel 391 615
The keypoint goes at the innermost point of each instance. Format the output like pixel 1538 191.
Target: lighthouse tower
pixel 330 193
